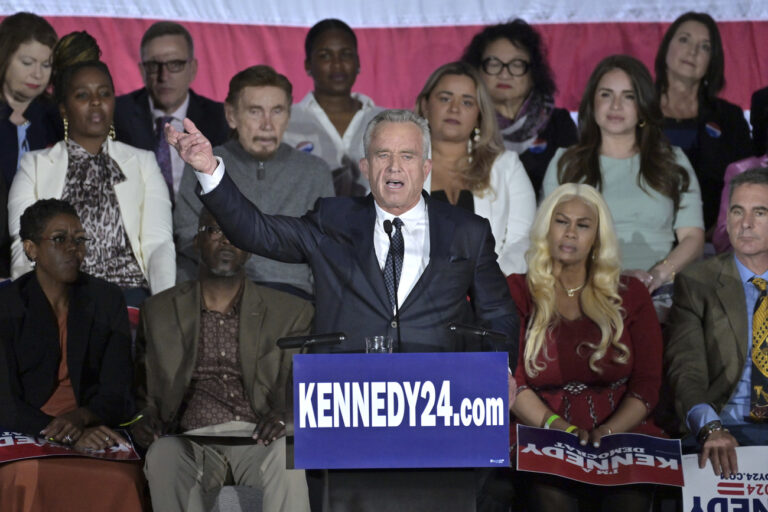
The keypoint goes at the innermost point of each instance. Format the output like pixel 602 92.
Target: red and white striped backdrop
pixel 402 41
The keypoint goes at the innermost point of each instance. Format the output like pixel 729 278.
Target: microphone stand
pixel 388 231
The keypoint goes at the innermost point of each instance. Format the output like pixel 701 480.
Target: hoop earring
pixel 66 128
pixel 641 124
pixel 474 138
pixel 112 134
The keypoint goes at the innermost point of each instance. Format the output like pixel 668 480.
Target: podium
pixel 380 432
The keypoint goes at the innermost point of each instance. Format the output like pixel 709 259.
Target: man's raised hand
pixel 192 146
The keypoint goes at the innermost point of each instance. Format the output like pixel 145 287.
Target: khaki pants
pixel 180 470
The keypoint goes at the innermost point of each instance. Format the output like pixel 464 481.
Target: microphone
pixel 477 331
pixel 388 231
pixel 333 338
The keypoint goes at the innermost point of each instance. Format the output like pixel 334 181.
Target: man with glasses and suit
pixel 168 65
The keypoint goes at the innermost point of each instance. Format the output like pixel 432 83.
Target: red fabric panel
pixel 395 62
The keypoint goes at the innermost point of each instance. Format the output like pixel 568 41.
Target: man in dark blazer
pixel 168 66
pixel 707 354
pixel 207 364
pixel 449 273
pixel 343 241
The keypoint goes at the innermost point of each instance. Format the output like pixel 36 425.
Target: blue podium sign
pixel 400 410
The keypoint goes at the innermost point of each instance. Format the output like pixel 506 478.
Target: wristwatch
pixel 706 430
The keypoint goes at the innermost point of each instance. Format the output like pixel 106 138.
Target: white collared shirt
pixel 415 241
pixel 310 130
pixel 415 235
pixel 177 164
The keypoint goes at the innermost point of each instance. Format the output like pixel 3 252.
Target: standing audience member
pixel 274 176
pixel 712 132
pixel 758 118
pixel 116 189
pixel 648 185
pixel 590 362
pixel 168 66
pixel 65 372
pixel 329 121
pixel 470 167
pixel 514 67
pixel 207 365
pixel 716 353
pixel 28 119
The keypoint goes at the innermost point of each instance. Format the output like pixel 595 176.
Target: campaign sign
pixel 745 491
pixel 15 446
pixel 400 410
pixel 620 459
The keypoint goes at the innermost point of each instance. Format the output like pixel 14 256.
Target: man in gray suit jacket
pixel 709 347
pixel 208 368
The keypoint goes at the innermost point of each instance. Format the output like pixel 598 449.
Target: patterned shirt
pixel 89 187
pixel 216 393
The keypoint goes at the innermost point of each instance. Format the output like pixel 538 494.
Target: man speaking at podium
pixel 440 266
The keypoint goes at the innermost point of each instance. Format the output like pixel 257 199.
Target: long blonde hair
pixel 475 174
pixel 599 299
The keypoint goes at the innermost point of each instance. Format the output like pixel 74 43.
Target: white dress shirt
pixel 415 235
pixel 177 164
pixel 415 243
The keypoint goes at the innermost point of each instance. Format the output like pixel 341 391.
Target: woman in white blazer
pixel 118 190
pixel 470 167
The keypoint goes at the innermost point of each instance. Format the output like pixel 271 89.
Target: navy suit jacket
pixel 336 239
pixel 134 124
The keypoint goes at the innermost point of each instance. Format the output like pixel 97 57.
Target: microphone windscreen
pixel 388 227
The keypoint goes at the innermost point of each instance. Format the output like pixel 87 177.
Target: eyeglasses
pixel 61 241
pixel 152 67
pixel 515 67
pixel 213 231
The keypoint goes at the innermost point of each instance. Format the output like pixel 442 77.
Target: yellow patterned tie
pixel 759 382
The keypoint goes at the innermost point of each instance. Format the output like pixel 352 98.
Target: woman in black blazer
pixel 65 370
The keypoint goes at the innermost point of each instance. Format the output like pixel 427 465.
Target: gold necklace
pixel 571 291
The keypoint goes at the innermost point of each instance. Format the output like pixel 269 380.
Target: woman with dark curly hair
pixel 648 184
pixel 511 59
pixel 711 131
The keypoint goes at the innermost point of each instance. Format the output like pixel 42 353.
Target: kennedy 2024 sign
pixel 400 410
pixel 620 459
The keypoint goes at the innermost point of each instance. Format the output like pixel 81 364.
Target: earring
pixel 112 131
pixel 641 124
pixel 473 139
pixel 66 128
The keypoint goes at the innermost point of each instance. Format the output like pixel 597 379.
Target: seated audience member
pixel 470 167
pixel 712 132
pixel 168 66
pixel 207 364
pixel 758 118
pixel 720 236
pixel 329 122
pixel 648 185
pixel 116 189
pixel 590 360
pixel 274 176
pixel 513 64
pixel 715 354
pixel 65 372
pixel 5 239
pixel 28 119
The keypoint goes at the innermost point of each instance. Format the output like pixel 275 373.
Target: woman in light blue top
pixel 649 185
